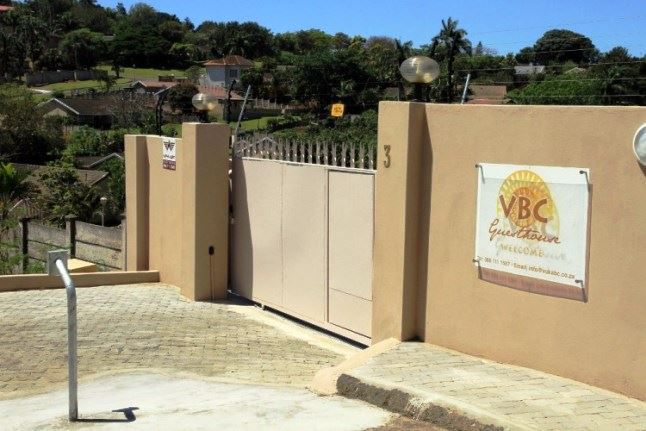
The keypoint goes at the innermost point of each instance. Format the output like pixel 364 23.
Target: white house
pixel 222 71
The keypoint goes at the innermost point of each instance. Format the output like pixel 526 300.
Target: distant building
pixel 93 162
pixel 95 112
pixel 4 9
pixel 222 71
pixel 487 94
pixel 89 177
pixel 152 85
pixel 222 94
pixel 529 69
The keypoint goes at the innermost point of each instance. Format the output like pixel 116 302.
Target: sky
pixel 504 25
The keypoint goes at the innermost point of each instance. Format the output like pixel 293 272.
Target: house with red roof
pixel 221 72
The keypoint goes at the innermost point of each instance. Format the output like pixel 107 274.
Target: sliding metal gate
pixel 302 234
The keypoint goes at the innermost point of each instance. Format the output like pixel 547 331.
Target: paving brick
pixel 516 395
pixel 137 327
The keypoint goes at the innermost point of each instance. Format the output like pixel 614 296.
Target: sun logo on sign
pixel 525 202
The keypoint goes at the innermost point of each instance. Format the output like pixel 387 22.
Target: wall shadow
pixel 240 241
pixel 425 192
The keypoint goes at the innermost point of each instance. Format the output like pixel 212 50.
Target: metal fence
pixel 359 156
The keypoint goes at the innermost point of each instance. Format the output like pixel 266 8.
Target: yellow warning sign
pixel 338 109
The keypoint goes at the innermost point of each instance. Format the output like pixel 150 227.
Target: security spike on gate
pixel 309 152
pixel 281 146
pixel 371 158
pixel 344 150
pixel 326 153
pixel 302 152
pixel 362 156
pixel 294 154
pixel 352 159
pixel 334 158
pixel 318 152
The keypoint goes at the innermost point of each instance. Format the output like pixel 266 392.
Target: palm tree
pixel 14 191
pixel 453 41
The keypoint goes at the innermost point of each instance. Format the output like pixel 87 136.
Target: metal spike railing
pixel 262 146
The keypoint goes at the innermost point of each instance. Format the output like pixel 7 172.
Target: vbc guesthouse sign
pixel 532 228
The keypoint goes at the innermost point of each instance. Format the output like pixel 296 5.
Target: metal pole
pixel 244 104
pixel 466 88
pixel 71 340
pixel 228 106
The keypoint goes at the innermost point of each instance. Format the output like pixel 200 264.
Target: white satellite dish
pixel 639 145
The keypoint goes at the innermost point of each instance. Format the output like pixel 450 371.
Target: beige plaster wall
pixel 601 342
pixel 175 216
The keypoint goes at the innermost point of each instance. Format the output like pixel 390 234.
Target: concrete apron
pixel 169 403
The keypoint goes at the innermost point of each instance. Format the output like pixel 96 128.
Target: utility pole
pixel 466 88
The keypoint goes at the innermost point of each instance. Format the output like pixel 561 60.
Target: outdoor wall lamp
pixel 419 70
pixel 639 145
pixel 204 103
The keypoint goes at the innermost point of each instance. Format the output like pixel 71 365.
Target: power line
pixel 566 80
pixel 516 29
pixel 553 66
pixel 571 38
pixel 560 96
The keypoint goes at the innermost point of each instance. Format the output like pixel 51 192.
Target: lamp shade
pixel 419 69
pixel 204 102
pixel 639 145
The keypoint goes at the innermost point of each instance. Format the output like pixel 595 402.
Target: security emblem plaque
pixel 169 153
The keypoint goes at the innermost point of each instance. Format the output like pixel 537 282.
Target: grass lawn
pixel 171 129
pixel 76 85
pixel 130 73
pixel 250 125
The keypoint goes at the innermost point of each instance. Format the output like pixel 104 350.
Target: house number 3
pixel 387 151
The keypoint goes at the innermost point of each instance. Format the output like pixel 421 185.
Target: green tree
pixel 559 46
pixel 63 194
pixel 184 54
pixel 14 190
pixel 82 48
pixel 22 41
pixel 180 97
pixel 140 45
pixel 116 169
pixel 323 77
pixel 560 90
pixel 25 134
pixel 449 42
pixel 247 39
pixel 621 78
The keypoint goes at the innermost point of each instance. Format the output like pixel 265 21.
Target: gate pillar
pixel 399 206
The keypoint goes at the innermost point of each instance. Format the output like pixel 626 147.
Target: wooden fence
pixel 102 246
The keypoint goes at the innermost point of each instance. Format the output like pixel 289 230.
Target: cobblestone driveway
pixel 144 327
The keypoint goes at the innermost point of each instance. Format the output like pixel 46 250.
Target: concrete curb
pixel 430 407
pixel 325 381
